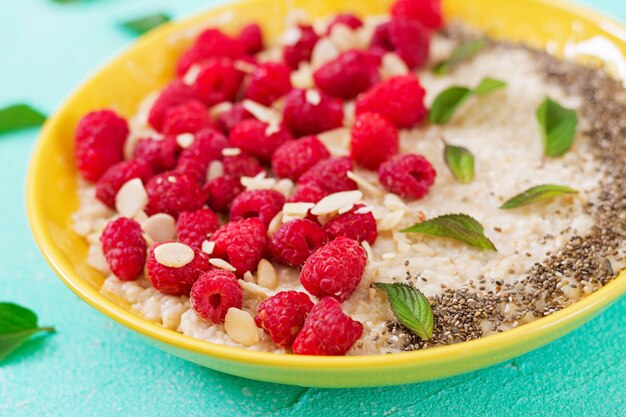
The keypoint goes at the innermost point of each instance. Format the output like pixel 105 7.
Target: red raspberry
pixel 407 38
pixel 174 94
pixel 427 12
pixel 173 193
pixel 194 227
pixel 252 138
pixel 218 81
pixel 327 330
pixel 282 315
pixel 222 191
pixel 374 140
pixel 189 117
pixel 210 44
pixel 296 157
pixel 206 147
pixel 295 241
pixel 214 293
pixel 241 165
pixel 307 193
pixel 110 183
pixel 269 82
pixel 302 49
pixel 346 19
pixel 351 73
pixel 400 99
pixel 161 155
pixel 262 204
pixel 303 118
pixel 231 118
pixel 241 243
pixel 176 281
pixel 353 225
pixel 251 37
pixel 330 175
pixel 334 270
pixel 408 175
pixel 124 248
pixel 99 140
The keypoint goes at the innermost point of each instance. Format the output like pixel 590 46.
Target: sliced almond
pixel 275 223
pixel 161 227
pixel 272 127
pixel 363 210
pixel 140 217
pixel 244 66
pixel 173 254
pixel 258 183
pixel 392 65
pixel 334 202
pixel 284 186
pixel 191 75
pixel 338 138
pixel 368 250
pixel 220 108
pixel 231 151
pixel 131 198
pixel 390 220
pixel 222 264
pixel 389 255
pixel 240 327
pixel 255 289
pixel 345 209
pixel 323 52
pixel 394 202
pixel 291 36
pixel 313 97
pixel 266 275
pixel 289 217
pixel 343 37
pixel 185 140
pixel 215 170
pixel 208 247
pixel 262 113
pixel 303 76
pixel 248 277
pixel 297 208
pixel 364 184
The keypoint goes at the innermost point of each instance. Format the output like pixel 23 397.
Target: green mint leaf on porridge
pixel 410 307
pixel 460 227
pixel 144 24
pixel 461 53
pixel 17 324
pixel 488 85
pixel 558 127
pixel 460 161
pixel 19 116
pixel 537 193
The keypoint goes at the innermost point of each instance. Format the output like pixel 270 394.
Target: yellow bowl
pixel 147 65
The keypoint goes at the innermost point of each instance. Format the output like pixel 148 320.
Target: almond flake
pixel 191 75
pixel 222 264
pixel 248 277
pixel 334 202
pixel 262 113
pixel 389 255
pixel 339 138
pixel 390 220
pixel 289 217
pixel 140 217
pixel 291 36
pixel 255 289
pixel 364 184
pixel 208 246
pixel 231 151
pixel 266 275
pixel 184 140
pixel 297 208
pixel 284 186
pixel 275 223
pixel 240 327
pixel 272 127
pixel 392 65
pixel 215 170
pixel 220 108
pixel 131 198
pixel 303 76
pixel 161 227
pixel 313 97
pixel 343 37
pixel 173 254
pixel 345 209
pixel 363 210
pixel 323 52
pixel 244 66
pixel 171 179
pixel 368 250
pixel 394 202
pixel 258 183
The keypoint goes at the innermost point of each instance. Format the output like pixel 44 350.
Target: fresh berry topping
pixel 251 37
pixel 269 82
pixel 124 248
pixel 308 112
pixel 218 81
pixel 241 243
pixel 210 44
pixel 327 330
pixel 172 193
pixel 351 73
pixel 374 140
pixel 241 165
pixel 258 139
pixel 110 183
pixel 99 138
pixel 262 204
pixel 410 41
pixel 307 193
pixel 176 280
pixel 194 227
pixel 296 157
pixel 222 191
pixel 302 48
pixel 214 293
pixel 282 315
pixel 231 118
pixel 175 93
pixel 408 175
pixel 206 147
pixel 161 155
pixel 400 99
pixel 295 241
pixel 189 117
pixel 331 175
pixel 427 12
pixel 353 224
pixel 346 19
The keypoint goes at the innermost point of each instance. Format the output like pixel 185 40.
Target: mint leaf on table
pixel 460 227
pixel 461 53
pixel 460 161
pixel 17 324
pixel 410 307
pixel 143 24
pixel 19 116
pixel 558 127
pixel 537 193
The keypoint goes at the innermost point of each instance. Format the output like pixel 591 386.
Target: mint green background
pixel 94 367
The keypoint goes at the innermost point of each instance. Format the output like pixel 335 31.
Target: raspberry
pixel 400 99
pixel 296 157
pixel 214 293
pixel 334 270
pixel 210 44
pixel 269 82
pixel 160 155
pixel 302 49
pixel 346 19
pixel 206 147
pixel 374 140
pixel 173 193
pixel 282 315
pixel 194 227
pixel 189 117
pixel 176 281
pixel 174 94
pixel 241 243
pixel 241 165
pixel 99 141
pixel 330 175
pixel 222 191
pixel 307 193
pixel 353 225
pixel 351 73
pixel 251 137
pixel 218 81
pixel 295 241
pixel 110 183
pixel 327 330
pixel 427 12
pixel 124 248
pixel 304 118
pixel 408 175
pixel 251 37
pixel 229 119
pixel 262 204
pixel 407 38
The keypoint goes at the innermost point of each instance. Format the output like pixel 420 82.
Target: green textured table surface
pixel 92 366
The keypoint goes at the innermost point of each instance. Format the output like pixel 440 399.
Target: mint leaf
pixel 460 227
pixel 488 85
pixel 460 161
pixel 410 307
pixel 17 324
pixel 558 127
pixel 19 116
pixel 461 53
pixel 537 193
pixel 144 24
